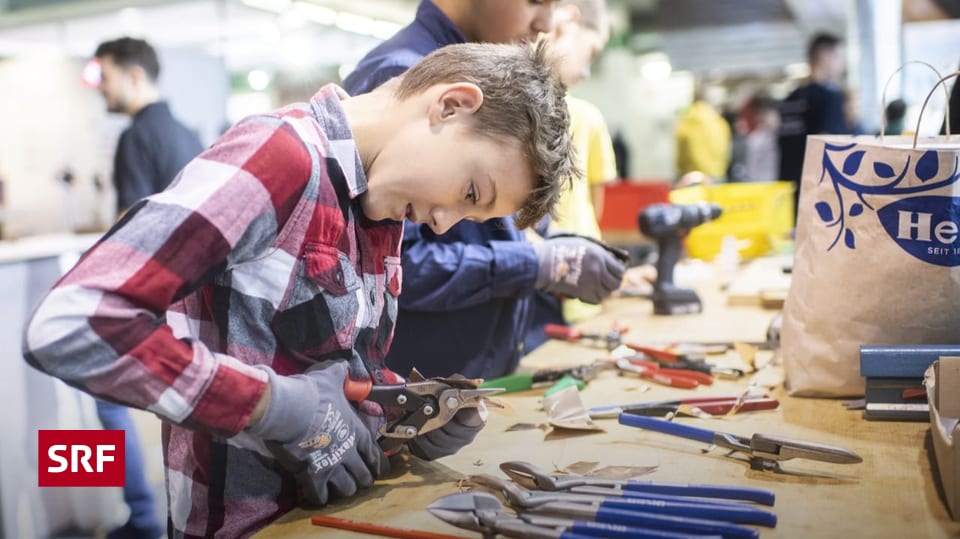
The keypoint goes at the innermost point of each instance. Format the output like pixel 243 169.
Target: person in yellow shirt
pixel 703 140
pixel 581 30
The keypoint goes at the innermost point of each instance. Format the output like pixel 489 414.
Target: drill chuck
pixel 659 220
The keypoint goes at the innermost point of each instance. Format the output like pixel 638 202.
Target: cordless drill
pixel 668 224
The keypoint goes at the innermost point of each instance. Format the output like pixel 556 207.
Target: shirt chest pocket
pixel 393 278
pixel 319 315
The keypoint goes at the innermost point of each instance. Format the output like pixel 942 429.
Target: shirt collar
pixel 438 25
pixel 328 111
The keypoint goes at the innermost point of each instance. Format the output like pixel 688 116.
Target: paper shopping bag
pixel 877 256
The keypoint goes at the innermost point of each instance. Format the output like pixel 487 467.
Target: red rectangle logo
pixel 81 458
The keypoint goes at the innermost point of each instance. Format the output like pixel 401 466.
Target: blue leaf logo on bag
pixel 927 226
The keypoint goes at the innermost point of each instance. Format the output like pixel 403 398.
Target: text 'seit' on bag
pixel 877 257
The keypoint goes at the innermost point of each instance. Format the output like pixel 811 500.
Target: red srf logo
pixel 81 458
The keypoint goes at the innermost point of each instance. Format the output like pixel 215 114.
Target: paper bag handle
pixel 943 79
pixel 883 96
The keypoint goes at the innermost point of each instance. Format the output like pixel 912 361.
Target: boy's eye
pixel 472 194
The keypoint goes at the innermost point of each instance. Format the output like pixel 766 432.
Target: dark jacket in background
pixel 811 109
pixel 151 153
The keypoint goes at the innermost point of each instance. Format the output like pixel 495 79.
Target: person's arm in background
pixel 445 276
pixel 597 193
pixel 102 328
pixel 601 166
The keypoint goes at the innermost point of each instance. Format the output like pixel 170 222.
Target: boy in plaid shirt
pixel 234 304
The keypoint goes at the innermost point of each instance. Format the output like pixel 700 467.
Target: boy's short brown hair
pixel 523 101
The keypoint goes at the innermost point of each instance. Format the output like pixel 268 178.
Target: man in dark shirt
pixel 149 155
pixel 156 146
pixel 467 299
pixel 814 108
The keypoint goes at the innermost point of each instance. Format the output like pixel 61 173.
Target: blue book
pixel 902 361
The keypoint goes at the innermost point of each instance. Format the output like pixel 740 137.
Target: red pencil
pixel 376 529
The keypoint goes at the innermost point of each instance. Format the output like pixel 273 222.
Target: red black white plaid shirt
pixel 257 254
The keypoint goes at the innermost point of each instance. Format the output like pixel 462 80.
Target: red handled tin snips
pixel 425 405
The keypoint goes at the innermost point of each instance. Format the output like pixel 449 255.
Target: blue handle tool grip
pixel 701 526
pixel 616 531
pixel 734 512
pixel 749 494
pixel 667 427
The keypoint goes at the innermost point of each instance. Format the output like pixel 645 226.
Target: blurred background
pixel 224 59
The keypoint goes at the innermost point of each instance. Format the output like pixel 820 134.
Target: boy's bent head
pixel 521 108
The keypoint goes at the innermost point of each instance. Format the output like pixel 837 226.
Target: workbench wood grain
pixel 892 493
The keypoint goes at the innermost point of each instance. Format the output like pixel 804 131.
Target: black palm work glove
pixel 314 431
pixel 578 267
pixel 462 428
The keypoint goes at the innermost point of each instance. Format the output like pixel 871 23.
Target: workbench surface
pixel 892 493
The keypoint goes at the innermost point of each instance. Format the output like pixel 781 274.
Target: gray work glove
pixel 314 431
pixel 577 267
pixel 448 439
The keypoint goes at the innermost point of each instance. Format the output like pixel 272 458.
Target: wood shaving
pixel 526 426
pixel 581 467
pixel 622 472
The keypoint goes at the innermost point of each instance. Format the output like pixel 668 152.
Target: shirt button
pixel 520 347
pixel 339 277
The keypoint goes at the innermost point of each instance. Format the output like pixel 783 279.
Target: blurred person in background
pixel 703 139
pixel 153 149
pixel 469 301
pixel 894 114
pixel 581 30
pixel 762 151
pixel 815 107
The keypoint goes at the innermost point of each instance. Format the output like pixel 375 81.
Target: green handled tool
pixel 522 382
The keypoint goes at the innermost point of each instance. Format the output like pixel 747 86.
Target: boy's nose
pixel 442 220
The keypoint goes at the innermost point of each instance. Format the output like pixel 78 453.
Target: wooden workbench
pixel 892 493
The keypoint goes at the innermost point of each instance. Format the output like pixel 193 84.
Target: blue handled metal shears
pixel 765 451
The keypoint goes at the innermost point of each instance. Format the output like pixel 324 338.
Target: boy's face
pixel 438 171
pixel 577 47
pixel 510 21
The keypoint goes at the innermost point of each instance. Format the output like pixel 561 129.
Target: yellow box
pixel 759 214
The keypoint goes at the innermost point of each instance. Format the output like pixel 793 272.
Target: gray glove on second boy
pixel 577 267
pixel 316 433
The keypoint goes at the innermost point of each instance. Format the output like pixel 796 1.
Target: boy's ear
pixel 456 98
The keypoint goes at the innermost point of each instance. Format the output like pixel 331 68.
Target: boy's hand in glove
pixel 315 432
pixel 450 438
pixel 577 267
